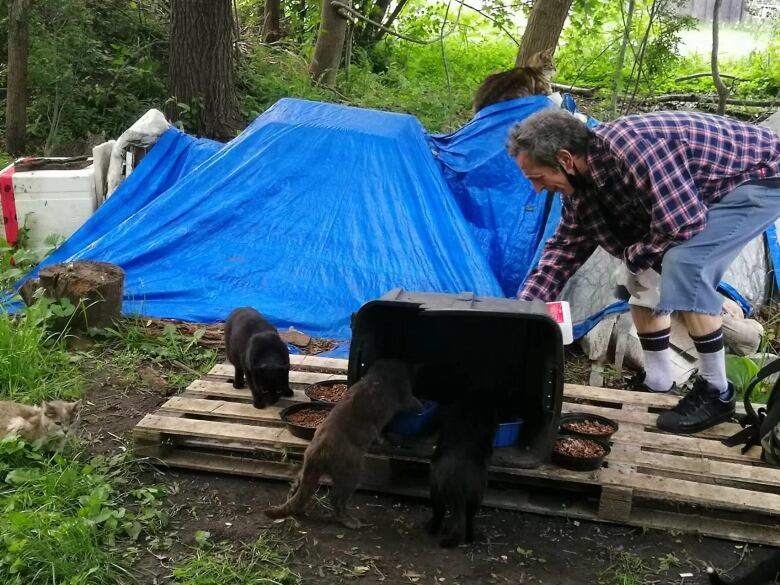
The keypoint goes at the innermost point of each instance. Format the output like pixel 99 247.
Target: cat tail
pixel 303 490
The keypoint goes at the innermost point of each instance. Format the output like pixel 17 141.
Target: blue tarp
pixel 313 210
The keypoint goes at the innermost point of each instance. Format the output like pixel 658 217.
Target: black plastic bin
pixel 504 350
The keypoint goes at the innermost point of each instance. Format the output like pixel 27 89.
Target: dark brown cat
pixel 340 442
pixel 517 82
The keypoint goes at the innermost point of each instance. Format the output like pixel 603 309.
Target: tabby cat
pixel 55 420
pixel 534 79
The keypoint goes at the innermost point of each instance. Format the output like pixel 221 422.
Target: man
pixel 675 193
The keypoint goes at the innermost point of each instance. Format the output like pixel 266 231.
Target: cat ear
pixel 49 409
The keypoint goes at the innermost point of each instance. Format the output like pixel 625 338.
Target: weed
pixel 626 569
pixel 263 562
pixel 133 342
pixel 34 364
pixel 62 516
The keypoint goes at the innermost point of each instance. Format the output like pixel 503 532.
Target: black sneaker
pixel 698 410
pixel 637 384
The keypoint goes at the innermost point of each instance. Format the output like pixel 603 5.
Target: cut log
pixel 95 288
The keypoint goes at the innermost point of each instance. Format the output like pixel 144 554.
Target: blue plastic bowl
pixel 508 434
pixel 413 424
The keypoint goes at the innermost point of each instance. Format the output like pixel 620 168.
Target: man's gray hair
pixel 544 134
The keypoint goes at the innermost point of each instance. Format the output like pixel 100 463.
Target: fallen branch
pixel 692 97
pixel 574 90
pixel 708 74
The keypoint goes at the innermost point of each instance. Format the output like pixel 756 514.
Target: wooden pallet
pixel 650 479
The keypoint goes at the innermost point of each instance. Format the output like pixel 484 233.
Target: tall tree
pixel 330 44
pixel 723 91
pixel 272 18
pixel 16 96
pixel 617 80
pixel 202 66
pixel 544 28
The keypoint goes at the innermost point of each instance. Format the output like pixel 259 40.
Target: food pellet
pixel 589 427
pixel 577 447
pixel 308 417
pixel 332 393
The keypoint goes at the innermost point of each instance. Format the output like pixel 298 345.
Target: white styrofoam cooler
pixel 53 201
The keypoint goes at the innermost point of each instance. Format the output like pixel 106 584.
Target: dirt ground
pixel 393 546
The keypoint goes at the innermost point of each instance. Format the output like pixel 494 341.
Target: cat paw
pixel 288 392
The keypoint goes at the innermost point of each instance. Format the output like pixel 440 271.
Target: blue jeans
pixel 691 271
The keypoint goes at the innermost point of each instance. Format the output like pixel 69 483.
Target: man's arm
pixel 563 254
pixel 678 212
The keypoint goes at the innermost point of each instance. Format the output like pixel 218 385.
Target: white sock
pixel 658 360
pixel 658 370
pixel 712 361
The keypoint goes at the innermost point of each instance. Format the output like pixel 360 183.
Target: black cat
pixel 764 572
pixel 459 467
pixel 258 353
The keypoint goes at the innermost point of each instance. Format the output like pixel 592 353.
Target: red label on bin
pixel 556 311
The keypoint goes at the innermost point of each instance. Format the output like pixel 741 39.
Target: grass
pixel 260 563
pixel 63 517
pixel 34 362
pixel 626 569
pixel 134 342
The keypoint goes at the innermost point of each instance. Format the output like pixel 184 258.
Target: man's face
pixel 543 177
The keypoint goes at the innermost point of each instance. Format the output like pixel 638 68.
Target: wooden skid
pixel 651 479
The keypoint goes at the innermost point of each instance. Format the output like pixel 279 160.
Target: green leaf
pixel 201 536
pixel 740 371
pixel 22 475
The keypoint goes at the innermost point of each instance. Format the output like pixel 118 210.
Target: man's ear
pixel 566 160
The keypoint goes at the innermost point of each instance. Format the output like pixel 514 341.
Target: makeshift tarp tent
pixel 314 209
pixel 317 208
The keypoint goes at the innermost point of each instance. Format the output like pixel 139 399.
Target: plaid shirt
pixel 655 176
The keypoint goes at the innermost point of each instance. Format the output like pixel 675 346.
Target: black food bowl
pixel 299 430
pixel 579 463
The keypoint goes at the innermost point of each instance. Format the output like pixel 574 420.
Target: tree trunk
pixel 366 32
pixel 330 44
pixel 201 71
pixel 16 95
pixel 723 91
pixel 617 81
pixel 94 288
pixel 272 17
pixel 544 28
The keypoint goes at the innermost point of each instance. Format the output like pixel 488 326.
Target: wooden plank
pixel 517 500
pixel 223 409
pixel 685 445
pixel 690 491
pixel 716 470
pixel 189 427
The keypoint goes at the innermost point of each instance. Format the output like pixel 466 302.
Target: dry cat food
pixel 589 427
pixel 579 448
pixel 308 417
pixel 330 393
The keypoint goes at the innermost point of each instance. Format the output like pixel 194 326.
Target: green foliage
pixel 740 371
pixel 34 362
pixel 260 563
pixel 625 569
pixel 94 66
pixel 134 342
pixel 62 517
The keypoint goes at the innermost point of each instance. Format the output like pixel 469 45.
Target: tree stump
pixel 95 288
